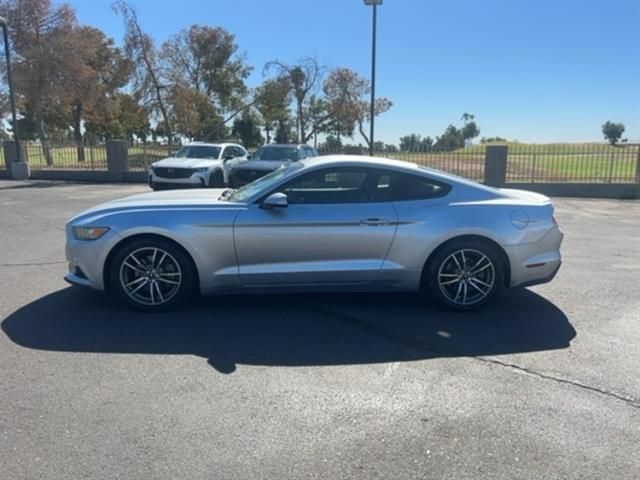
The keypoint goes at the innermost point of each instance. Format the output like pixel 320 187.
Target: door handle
pixel 374 221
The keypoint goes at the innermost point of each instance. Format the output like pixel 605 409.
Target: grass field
pixel 95 156
pixel 586 162
pixel 542 163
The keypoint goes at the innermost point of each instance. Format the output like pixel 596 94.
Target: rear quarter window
pixel 415 187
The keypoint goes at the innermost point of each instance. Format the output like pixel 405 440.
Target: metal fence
pixel 588 163
pixel 90 155
pixel 553 163
pixel 560 163
pixel 144 154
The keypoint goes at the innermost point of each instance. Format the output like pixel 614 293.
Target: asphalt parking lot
pixel 542 384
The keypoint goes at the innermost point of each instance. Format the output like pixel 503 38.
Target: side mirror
pixel 275 200
pixel 228 157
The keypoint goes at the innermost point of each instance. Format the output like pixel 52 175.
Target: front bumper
pixel 87 258
pixel 196 180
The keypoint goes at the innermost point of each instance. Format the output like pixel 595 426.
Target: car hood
pixel 173 162
pixel 263 165
pixel 166 200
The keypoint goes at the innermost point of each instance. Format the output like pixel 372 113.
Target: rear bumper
pixel 535 263
pixel 546 279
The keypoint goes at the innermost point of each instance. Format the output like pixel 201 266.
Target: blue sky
pixel 538 71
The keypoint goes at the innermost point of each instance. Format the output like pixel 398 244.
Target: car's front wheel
pixel 465 274
pixel 152 274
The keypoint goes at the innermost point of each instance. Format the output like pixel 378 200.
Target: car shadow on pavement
pixel 291 330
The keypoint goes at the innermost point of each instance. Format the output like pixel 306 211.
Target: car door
pixel 333 231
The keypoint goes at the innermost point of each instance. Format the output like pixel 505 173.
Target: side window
pixel 310 152
pixel 225 152
pixel 301 154
pixel 329 186
pixel 416 187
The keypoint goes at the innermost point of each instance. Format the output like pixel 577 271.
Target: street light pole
pixel 14 117
pixel 375 4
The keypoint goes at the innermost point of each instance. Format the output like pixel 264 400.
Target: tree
pixel 346 95
pixel 285 132
pixel 247 130
pixel 303 77
pixel 410 143
pixel 451 139
pixel 272 100
pixel 390 148
pixel 318 117
pixel 612 131
pixel 124 117
pixel 470 129
pixel 44 58
pixel 194 116
pixel 332 144
pixel 100 70
pixel 206 59
pixel 147 80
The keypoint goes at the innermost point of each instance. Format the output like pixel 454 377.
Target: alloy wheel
pixel 466 277
pixel 150 276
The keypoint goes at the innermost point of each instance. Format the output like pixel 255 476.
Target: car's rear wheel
pixel 152 274
pixel 465 274
pixel 216 179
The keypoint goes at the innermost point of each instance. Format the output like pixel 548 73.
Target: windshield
pixel 263 183
pixel 277 153
pixel 198 151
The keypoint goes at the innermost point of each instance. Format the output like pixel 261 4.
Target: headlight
pixel 201 169
pixel 89 233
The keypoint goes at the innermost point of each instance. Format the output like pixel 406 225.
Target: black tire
pixel 465 281
pixel 175 266
pixel 216 179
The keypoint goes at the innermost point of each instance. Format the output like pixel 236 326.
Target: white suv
pixel 197 165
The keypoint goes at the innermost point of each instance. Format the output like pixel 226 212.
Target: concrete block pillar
pixel 117 160
pixel 495 165
pixel 17 170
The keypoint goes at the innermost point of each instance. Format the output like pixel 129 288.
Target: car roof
pixel 287 145
pixel 206 144
pixel 380 162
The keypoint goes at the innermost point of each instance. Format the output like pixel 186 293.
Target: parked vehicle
pixel 197 165
pixel 325 223
pixel 266 159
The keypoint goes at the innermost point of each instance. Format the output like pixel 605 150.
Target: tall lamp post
pixel 375 4
pixel 3 23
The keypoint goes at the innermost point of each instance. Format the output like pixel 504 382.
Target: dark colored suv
pixel 266 159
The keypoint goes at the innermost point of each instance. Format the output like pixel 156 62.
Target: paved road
pixel 543 384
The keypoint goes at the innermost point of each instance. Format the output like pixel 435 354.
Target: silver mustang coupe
pixel 320 224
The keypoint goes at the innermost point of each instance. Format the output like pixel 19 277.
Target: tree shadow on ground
pixel 291 330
